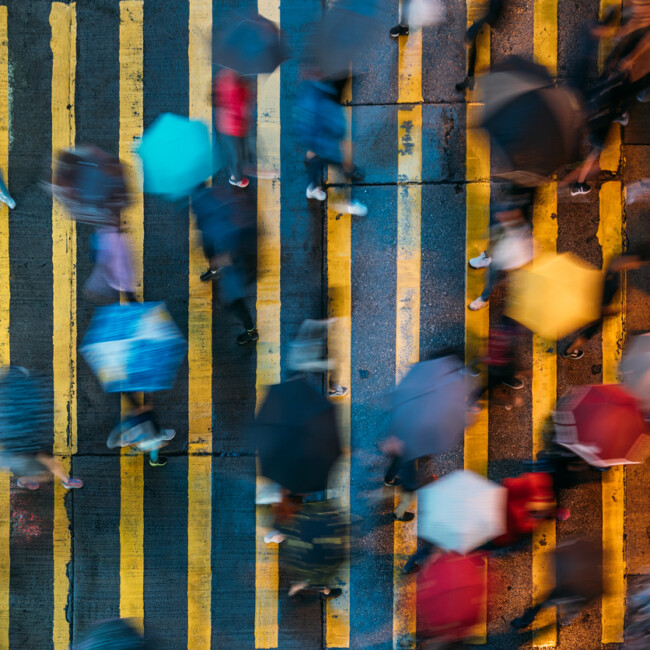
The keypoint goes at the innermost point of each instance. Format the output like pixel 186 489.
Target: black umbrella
pixel 25 413
pixel 344 42
pixel 297 436
pixel 536 127
pixel 253 45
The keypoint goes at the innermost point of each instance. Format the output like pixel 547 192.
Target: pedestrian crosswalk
pixel 180 549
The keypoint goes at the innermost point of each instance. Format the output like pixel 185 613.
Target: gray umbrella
pixel 635 367
pixel 429 407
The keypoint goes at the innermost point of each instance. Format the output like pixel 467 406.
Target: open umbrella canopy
pixel 534 124
pixel 134 347
pixel 603 425
pixel 317 542
pixel 252 45
pixel 297 436
pixel 635 368
pixel 451 594
pixel 429 406
pixel 555 295
pixel 343 41
pixel 176 156
pixel 461 511
pixel 25 412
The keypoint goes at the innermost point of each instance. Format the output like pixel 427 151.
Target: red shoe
pixel 243 183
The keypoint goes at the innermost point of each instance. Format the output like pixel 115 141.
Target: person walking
pixel 232 97
pixel 401 474
pixel 418 13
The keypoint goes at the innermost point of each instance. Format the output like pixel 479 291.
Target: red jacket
pixel 525 492
pixel 232 99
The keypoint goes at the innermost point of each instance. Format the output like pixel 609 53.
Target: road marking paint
pixel 407 331
pixel 477 201
pixel 544 380
pixel 63 23
pixel 610 236
pixel 339 345
pixel 131 124
pixel 199 335
pixel 5 302
pixel 544 396
pixel 268 322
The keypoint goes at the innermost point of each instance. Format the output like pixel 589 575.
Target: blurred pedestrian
pixel 579 580
pixel 228 234
pixel 5 197
pixel 26 430
pixel 321 128
pixel 490 17
pixel 629 261
pixel 637 627
pixel 418 13
pixel 308 354
pixel 501 361
pixel 233 100
pixel 401 474
pixel 510 247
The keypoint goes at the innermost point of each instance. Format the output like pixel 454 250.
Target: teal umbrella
pixel 176 156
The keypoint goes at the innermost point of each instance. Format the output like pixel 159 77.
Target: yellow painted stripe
pixel 63 23
pixel 339 344
pixel 268 322
pixel 407 331
pixel 132 488
pixel 477 206
pixel 544 393
pixel 199 334
pixel 610 236
pixel 544 382
pixel 5 359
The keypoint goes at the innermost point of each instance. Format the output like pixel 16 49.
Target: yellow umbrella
pixel 555 295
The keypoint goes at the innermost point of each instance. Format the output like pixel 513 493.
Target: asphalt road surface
pixel 176 547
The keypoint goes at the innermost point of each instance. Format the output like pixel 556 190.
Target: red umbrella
pixel 451 596
pixel 603 425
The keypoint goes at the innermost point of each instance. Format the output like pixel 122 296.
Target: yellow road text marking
pixel 63 22
pixel 199 334
pixel 131 123
pixel 268 322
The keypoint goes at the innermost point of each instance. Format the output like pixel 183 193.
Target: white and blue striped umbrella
pixel 134 347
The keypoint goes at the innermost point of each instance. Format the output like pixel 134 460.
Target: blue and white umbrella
pixel 134 347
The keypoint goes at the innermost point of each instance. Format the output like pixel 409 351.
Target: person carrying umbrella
pixel 634 259
pixel 227 225
pixel 233 100
pixel 25 434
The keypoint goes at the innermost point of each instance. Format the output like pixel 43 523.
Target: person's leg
pixel 243 315
pixel 57 470
pixel 529 615
pixel 392 470
pixel 402 28
pixel 424 550
pixel 406 499
pixel 315 172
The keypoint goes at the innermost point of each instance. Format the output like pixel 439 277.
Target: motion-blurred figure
pixel 117 634
pixel 632 260
pixel 25 430
pixel 634 370
pixel 510 247
pixel 229 237
pixel 233 103
pixel 418 13
pixel 321 127
pixel 5 197
pixel 308 354
pixel 637 628
pixel 490 17
pixel 579 580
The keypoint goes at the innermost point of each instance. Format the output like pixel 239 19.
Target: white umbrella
pixel 461 511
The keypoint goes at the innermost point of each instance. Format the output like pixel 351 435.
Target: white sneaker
pixel 352 207
pixel 623 119
pixel 316 193
pixel 480 262
pixel 477 304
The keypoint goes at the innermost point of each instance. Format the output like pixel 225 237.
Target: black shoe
pixel 467 82
pixel 514 383
pixel 249 336
pixel 520 623
pixel 579 188
pixel 161 461
pixel 333 593
pixel 209 275
pixel 407 516
pixel 399 30
pixel 357 174
pixel 412 568
pixel 393 483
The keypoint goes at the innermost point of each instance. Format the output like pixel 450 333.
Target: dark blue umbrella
pixel 134 347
